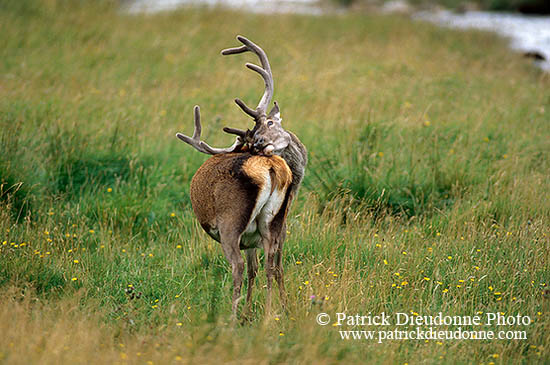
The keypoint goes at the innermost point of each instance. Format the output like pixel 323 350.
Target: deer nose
pixel 259 142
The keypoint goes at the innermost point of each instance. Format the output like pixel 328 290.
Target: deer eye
pixel 269 123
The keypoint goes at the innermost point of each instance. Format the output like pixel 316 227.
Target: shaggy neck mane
pixel 295 155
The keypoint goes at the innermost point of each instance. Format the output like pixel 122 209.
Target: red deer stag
pixel 241 195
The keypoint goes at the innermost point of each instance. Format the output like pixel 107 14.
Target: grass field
pixel 427 189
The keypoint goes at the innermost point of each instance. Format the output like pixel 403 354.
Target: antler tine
pixel 253 113
pixel 238 132
pixel 264 71
pixel 234 50
pixel 197 118
pixel 202 146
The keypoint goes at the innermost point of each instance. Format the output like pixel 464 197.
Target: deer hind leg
pixel 252 269
pixel 230 245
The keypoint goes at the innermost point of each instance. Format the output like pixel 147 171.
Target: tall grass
pixel 427 188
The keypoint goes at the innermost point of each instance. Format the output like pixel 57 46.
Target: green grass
pixel 428 159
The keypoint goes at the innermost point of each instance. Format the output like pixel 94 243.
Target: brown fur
pixel 257 166
pixel 224 189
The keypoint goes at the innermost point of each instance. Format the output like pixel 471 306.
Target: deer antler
pixel 264 71
pixel 260 111
pixel 202 146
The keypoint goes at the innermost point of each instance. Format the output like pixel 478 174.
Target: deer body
pixel 242 194
pixel 258 183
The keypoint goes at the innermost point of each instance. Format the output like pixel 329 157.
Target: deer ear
pixel 275 113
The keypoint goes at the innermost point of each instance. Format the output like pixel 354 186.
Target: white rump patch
pixel 263 197
pixel 267 206
pixel 270 209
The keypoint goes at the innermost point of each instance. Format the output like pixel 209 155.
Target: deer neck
pixel 295 155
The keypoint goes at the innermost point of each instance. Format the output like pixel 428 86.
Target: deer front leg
pixel 230 246
pixel 252 269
